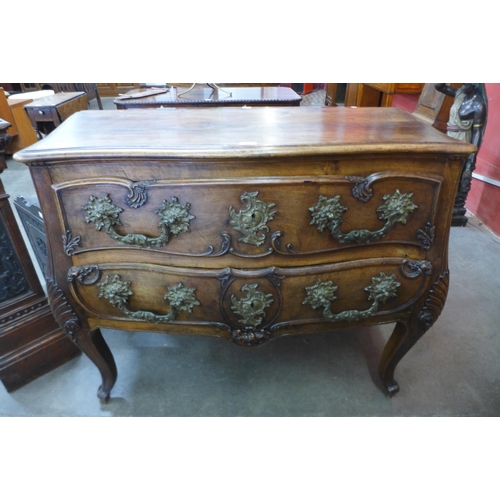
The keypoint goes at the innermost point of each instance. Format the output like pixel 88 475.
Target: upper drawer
pixel 249 218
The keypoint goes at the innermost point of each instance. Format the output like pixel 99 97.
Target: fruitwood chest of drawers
pixel 247 224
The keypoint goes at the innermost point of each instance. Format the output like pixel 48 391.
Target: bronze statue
pixel 467 122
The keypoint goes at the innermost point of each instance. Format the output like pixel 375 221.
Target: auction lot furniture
pixel 246 224
pixel 49 112
pixel 201 96
pixel 31 342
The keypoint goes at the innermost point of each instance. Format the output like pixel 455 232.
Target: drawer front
pixel 249 218
pixel 42 114
pixel 249 305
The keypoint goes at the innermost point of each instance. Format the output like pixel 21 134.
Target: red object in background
pixel 483 199
pixel 303 88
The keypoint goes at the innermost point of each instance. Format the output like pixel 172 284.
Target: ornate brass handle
pixel 117 293
pixel 327 213
pixel 322 294
pixel 174 219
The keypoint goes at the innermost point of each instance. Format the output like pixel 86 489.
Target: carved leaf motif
pixel 70 242
pixel 62 310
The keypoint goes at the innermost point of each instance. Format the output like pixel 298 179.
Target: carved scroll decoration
pixel 414 268
pixel 117 293
pixel 62 310
pixel 174 219
pixel 87 275
pixel 327 214
pixel 322 294
pixel 252 219
pixel 435 301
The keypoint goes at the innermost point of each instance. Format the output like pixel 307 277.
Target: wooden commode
pixel 246 224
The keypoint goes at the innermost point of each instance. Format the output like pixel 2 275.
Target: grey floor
pixel 452 371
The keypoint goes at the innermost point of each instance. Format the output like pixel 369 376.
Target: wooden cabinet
pixel 247 224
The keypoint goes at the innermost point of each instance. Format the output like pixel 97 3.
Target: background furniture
pixel 21 130
pixel 433 107
pixel 49 112
pixel 32 221
pixel 89 88
pixel 31 342
pixel 246 224
pixel 114 89
pixel 202 96
pixel 335 93
pixel 380 94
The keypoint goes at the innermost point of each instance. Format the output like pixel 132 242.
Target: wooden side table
pixel 49 112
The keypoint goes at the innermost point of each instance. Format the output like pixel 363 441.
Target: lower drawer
pixel 249 306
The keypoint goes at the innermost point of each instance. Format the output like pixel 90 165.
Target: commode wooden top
pixel 238 132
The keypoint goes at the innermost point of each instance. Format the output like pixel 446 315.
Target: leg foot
pixel 94 346
pixel 401 341
pixel 103 395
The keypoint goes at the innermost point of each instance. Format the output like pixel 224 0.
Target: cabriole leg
pixel 94 346
pixel 406 334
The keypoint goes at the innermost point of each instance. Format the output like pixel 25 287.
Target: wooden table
pixel 202 96
pixel 247 224
pixel 49 112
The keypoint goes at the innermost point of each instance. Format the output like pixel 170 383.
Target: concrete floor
pixel 452 371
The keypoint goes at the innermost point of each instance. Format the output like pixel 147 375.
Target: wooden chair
pixel 91 90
